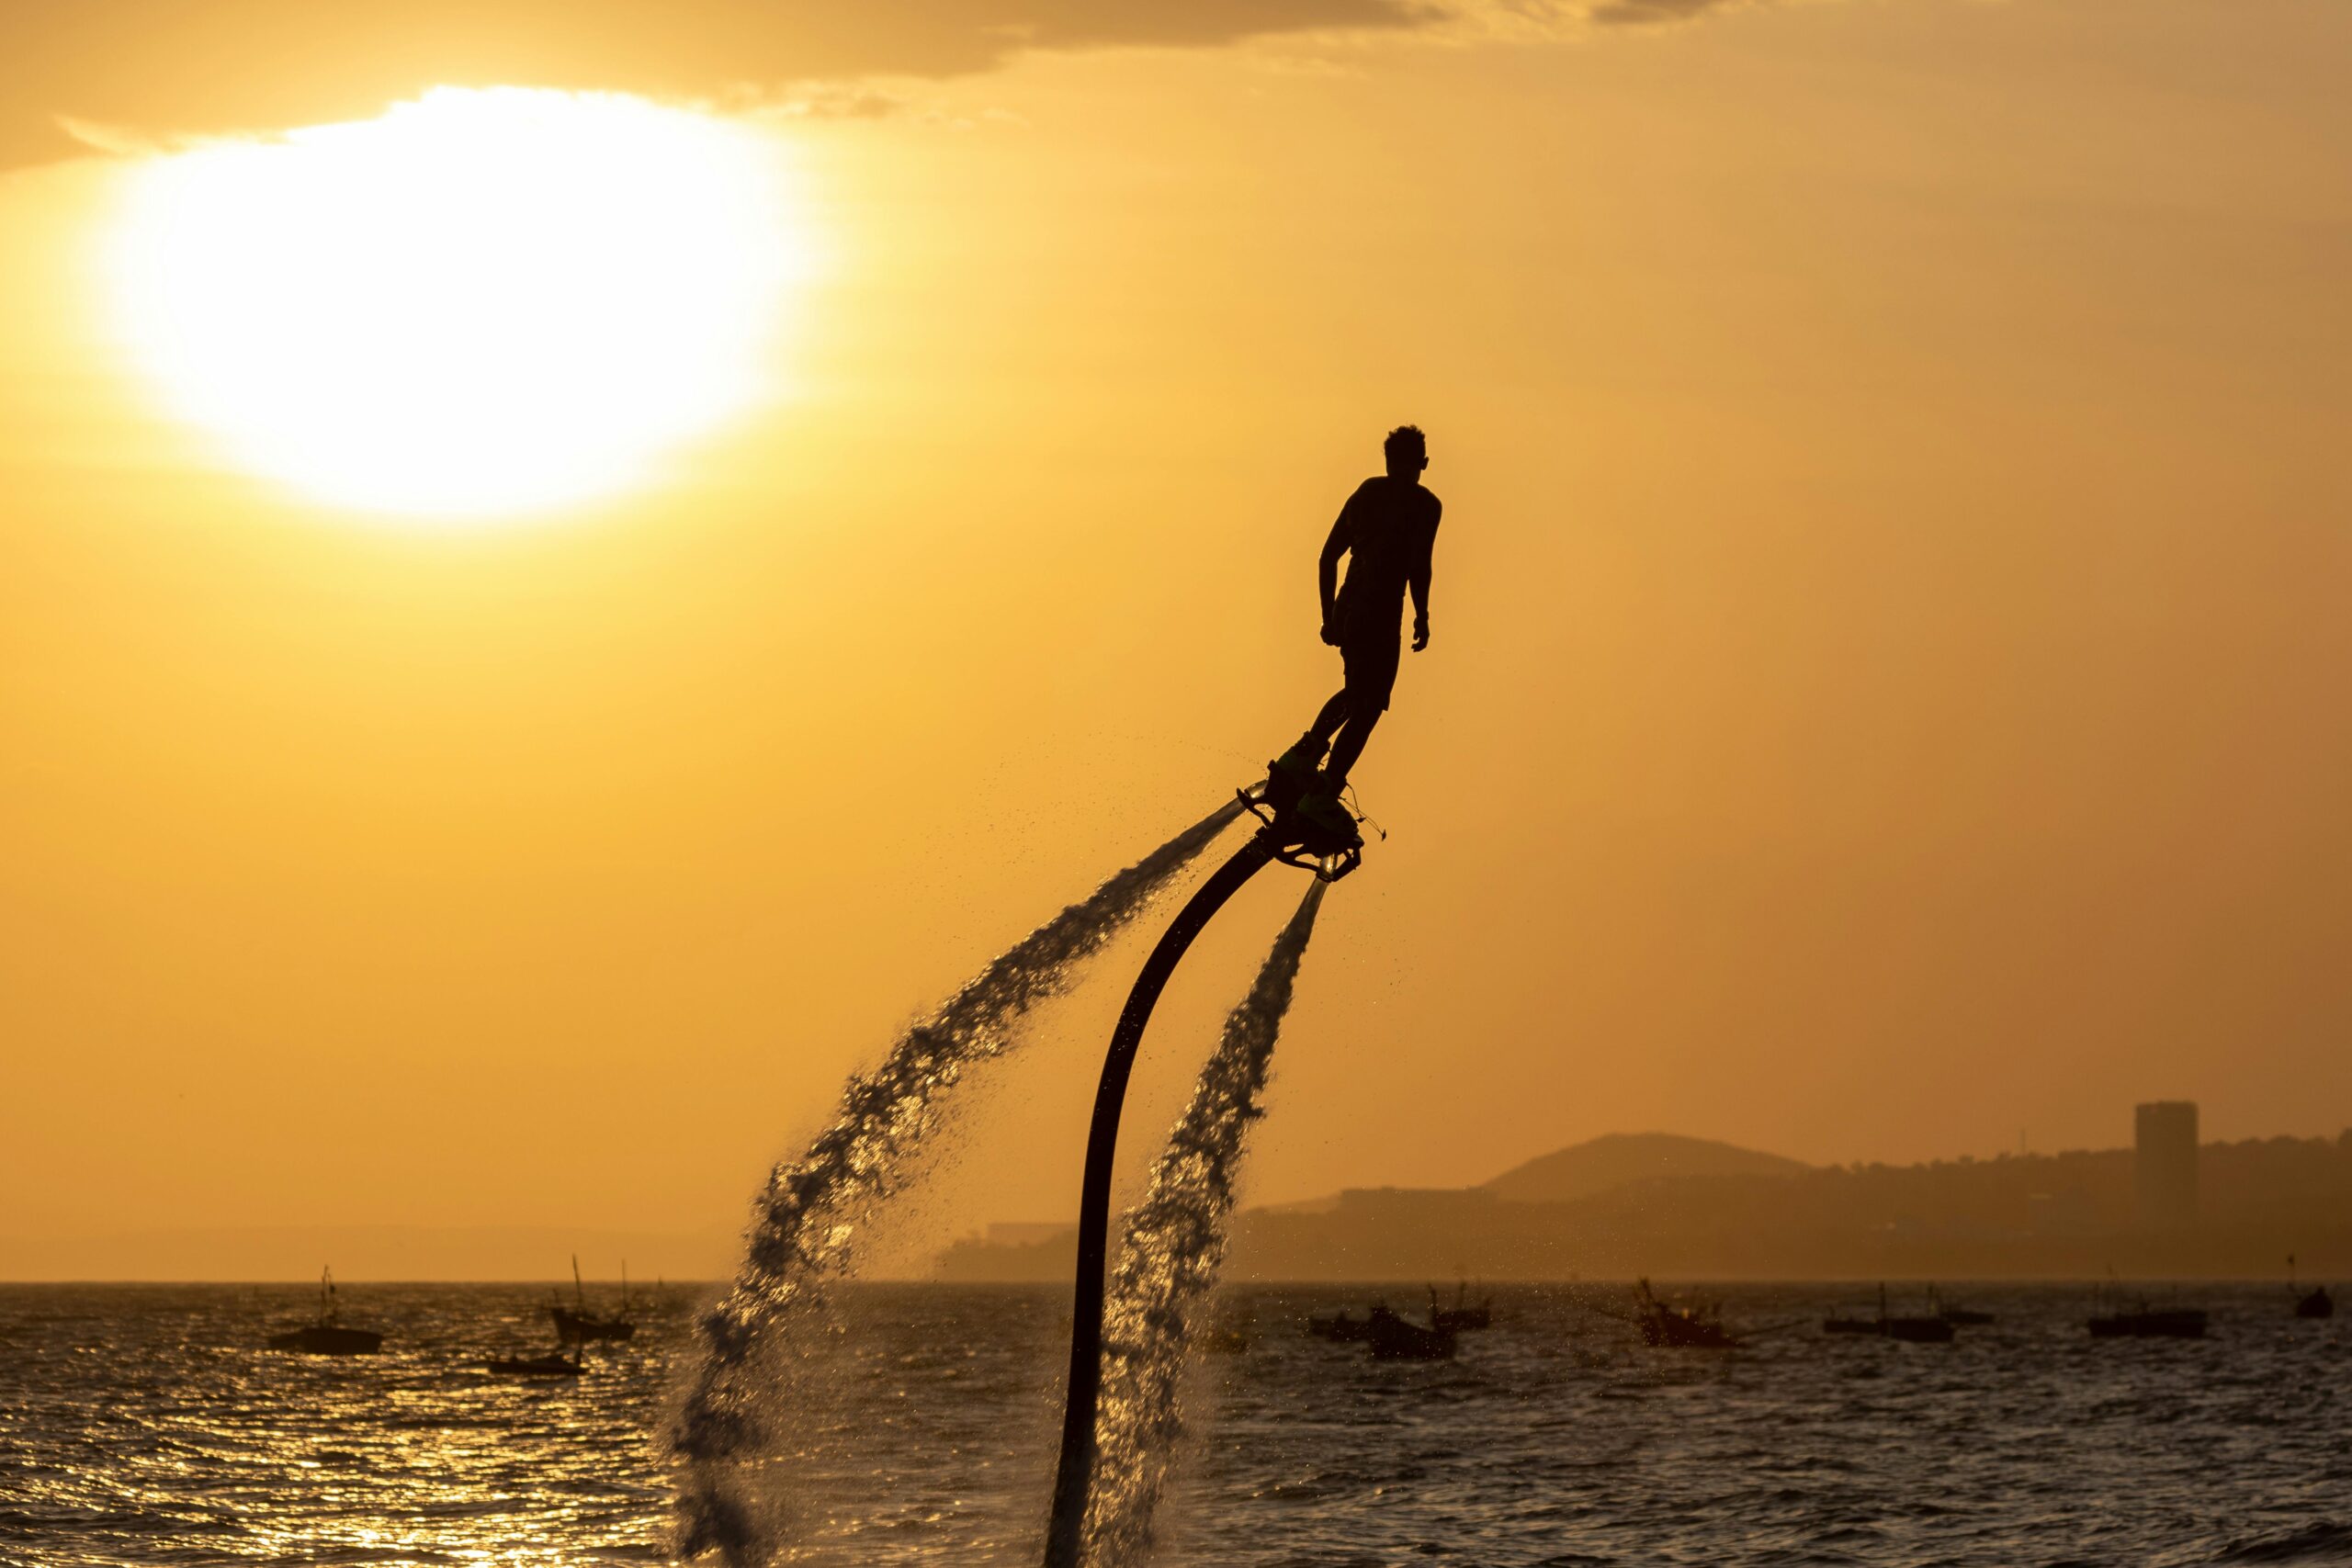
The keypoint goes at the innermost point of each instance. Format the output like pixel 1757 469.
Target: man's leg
pixel 1349 745
pixel 1293 772
pixel 1308 755
pixel 1372 674
pixel 1335 713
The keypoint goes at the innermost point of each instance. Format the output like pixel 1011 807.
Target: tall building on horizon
pixel 2164 1162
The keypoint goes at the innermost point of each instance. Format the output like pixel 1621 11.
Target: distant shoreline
pixel 695 1288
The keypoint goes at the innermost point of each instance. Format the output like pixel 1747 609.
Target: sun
pixel 484 304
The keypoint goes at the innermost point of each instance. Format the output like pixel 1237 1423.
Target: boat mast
pixel 579 1296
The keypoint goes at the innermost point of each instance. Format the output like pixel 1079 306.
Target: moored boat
pixel 1919 1330
pixel 2315 1302
pixel 1462 1316
pixel 1933 1330
pixel 2159 1323
pixel 556 1365
pixel 576 1325
pixel 1340 1325
pixel 1397 1338
pixel 1682 1328
pixel 2140 1321
pixel 328 1337
pixel 1958 1316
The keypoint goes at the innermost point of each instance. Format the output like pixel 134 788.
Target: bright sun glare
pixel 484 303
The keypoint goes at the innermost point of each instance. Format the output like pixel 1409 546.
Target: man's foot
pixel 1322 814
pixel 1304 758
pixel 1296 771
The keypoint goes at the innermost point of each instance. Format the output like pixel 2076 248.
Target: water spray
pixel 808 1221
pixel 1171 1250
pixel 1282 836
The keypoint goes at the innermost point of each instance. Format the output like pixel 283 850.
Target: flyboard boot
pixel 1305 822
pixel 1293 776
pixel 1322 814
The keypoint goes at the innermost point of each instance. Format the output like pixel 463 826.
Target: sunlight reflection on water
pixel 146 1425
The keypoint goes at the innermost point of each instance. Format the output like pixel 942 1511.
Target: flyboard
pixel 1329 850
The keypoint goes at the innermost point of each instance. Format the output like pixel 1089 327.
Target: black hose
pixel 1073 1480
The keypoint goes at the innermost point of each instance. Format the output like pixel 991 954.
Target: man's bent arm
pixel 1326 570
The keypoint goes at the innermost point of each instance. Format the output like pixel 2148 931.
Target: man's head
pixel 1408 452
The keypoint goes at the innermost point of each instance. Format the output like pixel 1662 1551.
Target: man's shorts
pixel 1371 666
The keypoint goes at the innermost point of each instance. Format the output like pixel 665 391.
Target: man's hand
pixel 1420 635
pixel 1331 632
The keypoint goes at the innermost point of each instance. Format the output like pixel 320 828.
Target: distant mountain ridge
pixel 1618 1159
pixel 1671 1207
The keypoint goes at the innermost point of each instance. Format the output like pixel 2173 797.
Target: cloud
pixel 1653 13
pixel 133 75
pixel 147 69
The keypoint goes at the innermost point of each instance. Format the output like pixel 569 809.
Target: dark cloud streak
pixel 193 67
pixel 1656 13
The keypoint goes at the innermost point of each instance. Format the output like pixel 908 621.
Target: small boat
pixel 1341 1326
pixel 1959 1317
pixel 1684 1328
pixel 1935 1330
pixel 328 1337
pixel 1397 1338
pixel 1919 1330
pixel 1462 1316
pixel 557 1365
pixel 2315 1302
pixel 2162 1323
pixel 576 1325
pixel 2140 1321
pixel 1912 1330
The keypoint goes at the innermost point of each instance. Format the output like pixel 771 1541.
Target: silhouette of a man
pixel 1386 530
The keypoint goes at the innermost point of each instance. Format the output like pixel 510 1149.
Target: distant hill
pixel 1598 1165
pixel 1687 1208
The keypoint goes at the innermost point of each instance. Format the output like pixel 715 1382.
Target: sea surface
pixel 148 1425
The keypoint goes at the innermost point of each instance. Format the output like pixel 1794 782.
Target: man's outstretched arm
pixel 1419 583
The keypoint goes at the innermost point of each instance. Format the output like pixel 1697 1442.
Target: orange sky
pixel 1885 693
